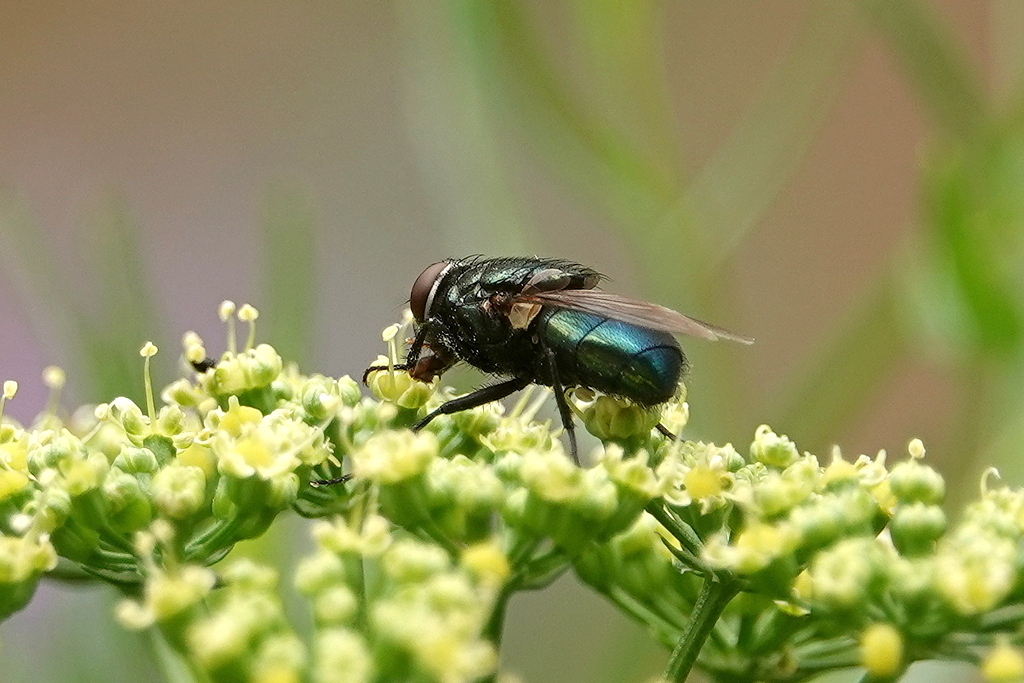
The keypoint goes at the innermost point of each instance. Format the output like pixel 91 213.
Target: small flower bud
pixel 390 457
pixel 753 549
pixel 221 640
pixel 772 449
pixel 319 404
pixel 480 420
pixel 881 650
pixel 82 476
pixel 912 482
pixel 841 576
pixel 915 527
pixel 171 420
pixel 129 508
pixel 283 490
pixel 399 388
pixel 336 605
pixel 280 659
pixel 613 418
pixel 136 460
pixel 487 562
pixel 348 391
pixel 179 491
pixel 252 369
pixel 410 561
pixel 319 571
pixel 342 656
pixel 244 573
pixel 975 570
pixel 124 412
pixel 631 474
pixel 1003 664
pixel 167 596
pixel 515 435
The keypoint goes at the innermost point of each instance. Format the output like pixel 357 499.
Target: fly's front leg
pixel 410 358
pixel 563 406
pixel 488 394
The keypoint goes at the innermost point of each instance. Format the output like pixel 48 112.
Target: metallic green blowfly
pixel 543 321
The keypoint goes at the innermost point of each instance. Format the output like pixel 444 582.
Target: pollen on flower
pixel 236 417
pixel 148 350
pixel 12 482
pixel 248 313
pixel 702 481
pixel 226 310
pixel 54 377
pixel 487 562
pixel 10 389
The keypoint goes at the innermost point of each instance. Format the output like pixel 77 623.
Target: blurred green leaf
pixel 288 228
pixel 946 83
pixel 112 331
pixel 842 377
pixel 619 47
pixel 521 83
pixel 467 178
pixel 731 192
pixel 963 217
pixel 99 331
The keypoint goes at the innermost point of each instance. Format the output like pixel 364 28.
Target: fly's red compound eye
pixel 424 288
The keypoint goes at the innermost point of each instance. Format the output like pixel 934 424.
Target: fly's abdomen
pixel 612 356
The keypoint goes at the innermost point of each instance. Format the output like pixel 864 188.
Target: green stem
pixel 174 667
pixel 714 595
pixel 683 532
pixel 495 625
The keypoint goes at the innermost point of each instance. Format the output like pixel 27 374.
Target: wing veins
pixel 634 312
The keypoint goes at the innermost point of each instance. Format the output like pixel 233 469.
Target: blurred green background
pixel 843 180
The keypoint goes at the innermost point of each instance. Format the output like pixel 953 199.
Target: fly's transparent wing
pixel 634 312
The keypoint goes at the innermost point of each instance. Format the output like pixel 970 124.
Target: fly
pixel 543 321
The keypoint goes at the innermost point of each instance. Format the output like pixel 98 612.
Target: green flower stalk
pixel 773 567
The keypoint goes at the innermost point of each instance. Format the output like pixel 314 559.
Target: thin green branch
pixel 715 594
